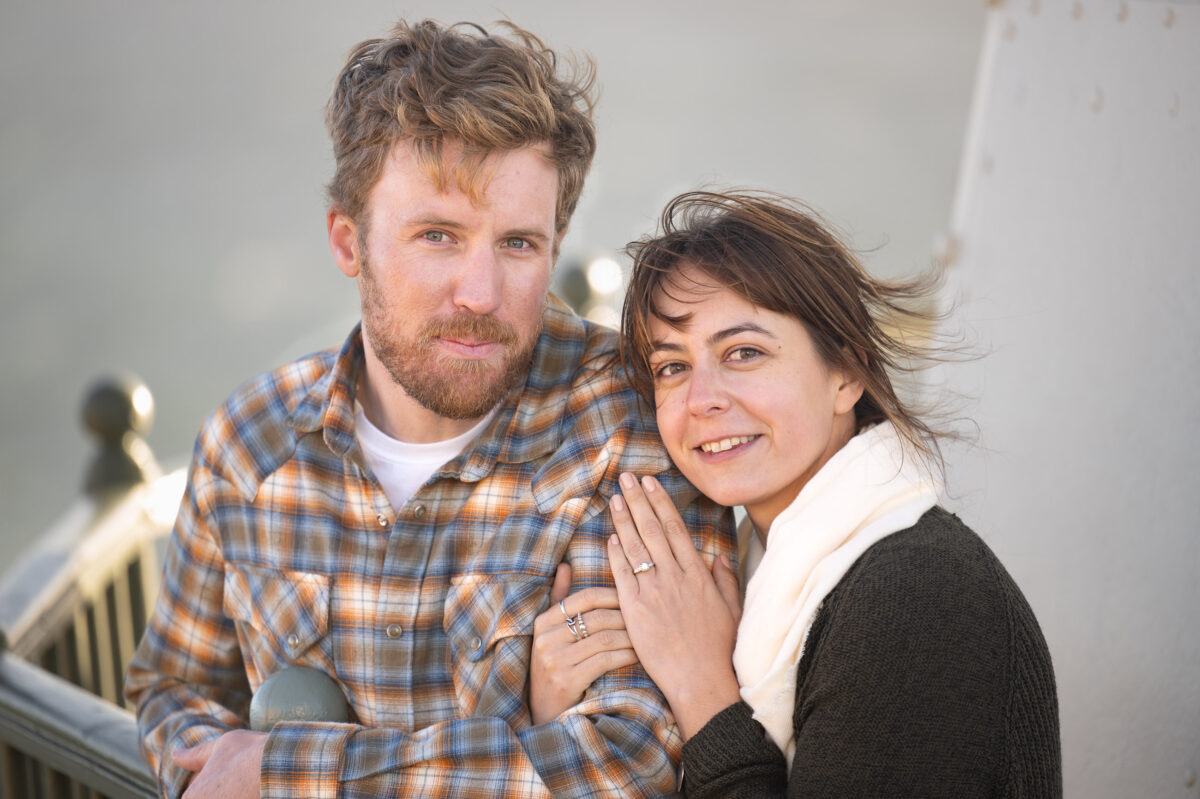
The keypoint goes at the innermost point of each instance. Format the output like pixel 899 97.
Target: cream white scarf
pixel 870 488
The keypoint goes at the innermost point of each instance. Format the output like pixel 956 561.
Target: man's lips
pixel 471 347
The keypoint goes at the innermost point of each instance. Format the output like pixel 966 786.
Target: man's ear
pixel 343 243
pixel 558 237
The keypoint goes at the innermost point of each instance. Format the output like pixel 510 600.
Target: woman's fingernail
pixel 617 502
pixel 614 541
pixel 649 483
pixel 627 479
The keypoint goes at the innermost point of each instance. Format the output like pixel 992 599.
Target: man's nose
pixel 480 282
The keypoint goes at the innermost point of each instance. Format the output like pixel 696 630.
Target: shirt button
pixel 293 641
pixel 419 511
pixel 383 520
pixel 476 642
pixel 394 631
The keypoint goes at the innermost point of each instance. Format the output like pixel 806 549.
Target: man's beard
pixel 456 388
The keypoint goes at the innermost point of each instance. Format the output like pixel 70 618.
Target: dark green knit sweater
pixel 925 675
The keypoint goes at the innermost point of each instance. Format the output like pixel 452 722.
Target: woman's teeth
pixel 726 443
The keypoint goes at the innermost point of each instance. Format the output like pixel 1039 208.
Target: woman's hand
pixel 681 618
pixel 565 662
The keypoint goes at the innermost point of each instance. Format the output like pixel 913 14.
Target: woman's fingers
pixel 561 686
pixel 645 541
pixel 618 562
pixel 557 647
pixel 562 583
pixel 675 531
pixel 595 666
pixel 579 602
pixel 564 663
pixel 727 583
pixel 590 599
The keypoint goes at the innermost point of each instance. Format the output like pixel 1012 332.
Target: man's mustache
pixel 473 326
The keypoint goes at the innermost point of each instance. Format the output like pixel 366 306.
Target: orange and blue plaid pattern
pixel 286 551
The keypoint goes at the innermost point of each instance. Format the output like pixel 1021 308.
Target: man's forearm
pixel 620 743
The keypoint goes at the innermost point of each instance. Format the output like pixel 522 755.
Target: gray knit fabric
pixel 925 675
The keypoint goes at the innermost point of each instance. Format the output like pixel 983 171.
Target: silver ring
pixel 574 630
pixel 583 633
pixel 563 608
pixel 644 566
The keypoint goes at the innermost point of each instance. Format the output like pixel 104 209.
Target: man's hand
pixel 226 767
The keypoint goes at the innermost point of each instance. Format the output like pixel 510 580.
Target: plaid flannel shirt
pixel 286 551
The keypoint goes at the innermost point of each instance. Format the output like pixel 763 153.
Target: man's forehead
pixel 458 167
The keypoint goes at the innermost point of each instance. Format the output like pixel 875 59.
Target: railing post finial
pixel 118 411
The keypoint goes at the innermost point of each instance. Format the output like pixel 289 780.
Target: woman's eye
pixel 744 354
pixel 669 369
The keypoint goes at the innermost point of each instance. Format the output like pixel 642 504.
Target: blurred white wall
pixel 1078 263
pixel 162 169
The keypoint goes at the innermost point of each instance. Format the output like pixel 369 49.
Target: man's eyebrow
pixel 433 221
pixel 527 233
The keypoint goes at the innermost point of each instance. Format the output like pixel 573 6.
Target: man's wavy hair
pixel 779 255
pixel 431 84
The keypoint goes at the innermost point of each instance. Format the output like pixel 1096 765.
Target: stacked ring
pixel 644 566
pixel 583 633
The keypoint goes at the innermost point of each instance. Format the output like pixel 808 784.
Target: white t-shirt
pixel 400 467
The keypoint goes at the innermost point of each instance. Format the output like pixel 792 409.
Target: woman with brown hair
pixel 882 649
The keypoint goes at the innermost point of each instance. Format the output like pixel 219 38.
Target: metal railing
pixel 72 610
pixel 61 741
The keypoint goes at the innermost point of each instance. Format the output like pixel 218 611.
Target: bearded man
pixel 393 513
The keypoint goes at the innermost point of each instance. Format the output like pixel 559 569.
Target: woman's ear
pixel 343 243
pixel 850 390
pixel 850 386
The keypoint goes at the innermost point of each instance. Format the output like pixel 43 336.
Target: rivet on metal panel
pixel 1170 20
pixel 1123 12
pixel 1097 103
pixel 1077 11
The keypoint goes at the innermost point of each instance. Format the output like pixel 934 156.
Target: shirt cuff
pixel 304 759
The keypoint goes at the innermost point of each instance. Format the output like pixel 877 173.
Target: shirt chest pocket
pixel 489 621
pixel 280 616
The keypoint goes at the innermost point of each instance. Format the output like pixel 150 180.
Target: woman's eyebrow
pixel 745 327
pixel 660 345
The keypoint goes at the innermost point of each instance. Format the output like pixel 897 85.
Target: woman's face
pixel 747 409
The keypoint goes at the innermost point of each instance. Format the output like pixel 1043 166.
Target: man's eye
pixel 435 235
pixel 516 243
